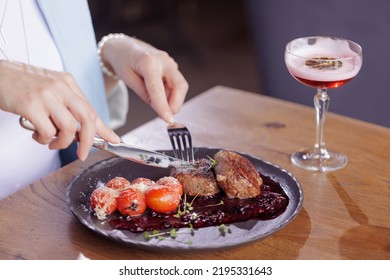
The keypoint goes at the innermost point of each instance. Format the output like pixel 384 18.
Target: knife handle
pixel 25 123
pixel 98 142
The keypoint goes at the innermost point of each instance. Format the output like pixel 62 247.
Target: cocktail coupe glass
pixel 322 63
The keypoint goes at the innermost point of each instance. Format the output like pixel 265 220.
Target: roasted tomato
pixel 118 183
pixel 103 202
pixel 162 199
pixel 131 202
pixel 172 183
pixel 143 184
pixel 142 180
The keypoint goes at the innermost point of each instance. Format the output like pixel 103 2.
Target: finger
pixel 40 138
pixel 137 84
pixel 86 117
pixel 44 127
pixel 134 82
pixel 158 98
pixel 85 114
pixel 62 141
pixel 66 126
pixel 178 87
pixel 86 134
pixel 90 125
pixel 106 133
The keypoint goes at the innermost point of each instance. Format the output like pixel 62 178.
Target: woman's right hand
pixel 53 103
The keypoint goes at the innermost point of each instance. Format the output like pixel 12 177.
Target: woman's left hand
pixel 151 73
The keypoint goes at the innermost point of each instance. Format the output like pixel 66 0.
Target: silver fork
pixel 181 141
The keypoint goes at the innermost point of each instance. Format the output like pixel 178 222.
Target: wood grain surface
pixel 345 214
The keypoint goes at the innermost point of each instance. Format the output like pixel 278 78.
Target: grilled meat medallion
pixel 197 179
pixel 233 173
pixel 236 175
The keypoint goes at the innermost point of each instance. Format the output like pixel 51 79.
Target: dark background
pixel 210 41
pixel 240 43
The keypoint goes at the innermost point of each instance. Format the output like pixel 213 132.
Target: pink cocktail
pixel 322 62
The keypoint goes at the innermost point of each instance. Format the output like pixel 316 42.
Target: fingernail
pixel 116 137
pixel 83 157
pixel 168 117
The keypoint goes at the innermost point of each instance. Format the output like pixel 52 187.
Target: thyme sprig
pixel 172 233
pixel 213 163
pixel 224 229
pixel 187 207
pixel 220 203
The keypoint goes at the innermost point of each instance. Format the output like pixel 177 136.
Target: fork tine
pixel 174 145
pixel 190 148
pixel 181 141
pixel 176 142
pixel 178 145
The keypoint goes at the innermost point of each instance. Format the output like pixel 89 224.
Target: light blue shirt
pixel 70 24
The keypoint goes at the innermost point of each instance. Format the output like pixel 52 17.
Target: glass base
pixel 321 162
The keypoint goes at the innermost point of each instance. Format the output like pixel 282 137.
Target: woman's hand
pixel 149 72
pixel 53 103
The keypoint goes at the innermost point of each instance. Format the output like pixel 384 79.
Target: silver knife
pixel 126 151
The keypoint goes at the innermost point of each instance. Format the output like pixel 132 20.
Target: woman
pixel 51 74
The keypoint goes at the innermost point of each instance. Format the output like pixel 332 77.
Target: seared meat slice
pixel 198 179
pixel 236 175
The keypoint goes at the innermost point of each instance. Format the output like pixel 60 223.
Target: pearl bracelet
pixel 101 43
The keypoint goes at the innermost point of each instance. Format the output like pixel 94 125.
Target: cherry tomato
pixel 143 184
pixel 118 183
pixel 162 199
pixel 103 201
pixel 172 183
pixel 142 180
pixel 131 202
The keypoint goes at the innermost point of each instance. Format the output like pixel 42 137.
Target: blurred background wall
pixel 210 41
pixel 240 43
pixel 274 23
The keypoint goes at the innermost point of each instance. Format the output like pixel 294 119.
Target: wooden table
pixel 345 214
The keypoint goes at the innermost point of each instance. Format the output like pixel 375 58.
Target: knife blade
pixel 138 155
pixel 126 151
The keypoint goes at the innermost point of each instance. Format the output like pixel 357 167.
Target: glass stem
pixel 321 104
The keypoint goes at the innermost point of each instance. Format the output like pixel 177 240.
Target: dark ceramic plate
pixel 80 188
